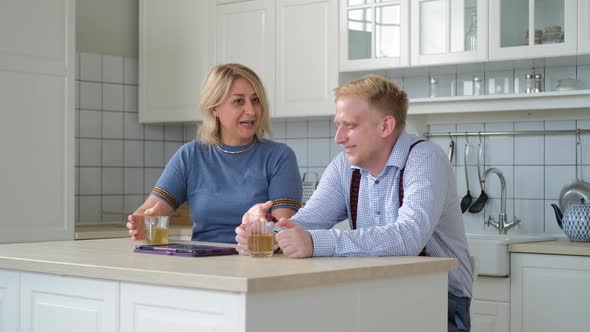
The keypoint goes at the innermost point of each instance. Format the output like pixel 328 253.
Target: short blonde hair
pixel 385 95
pixel 216 89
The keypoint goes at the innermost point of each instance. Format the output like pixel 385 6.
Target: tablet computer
pixel 185 249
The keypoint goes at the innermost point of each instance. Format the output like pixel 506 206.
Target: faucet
pixel 501 225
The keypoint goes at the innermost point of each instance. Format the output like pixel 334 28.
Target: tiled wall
pixel 536 167
pixel 119 160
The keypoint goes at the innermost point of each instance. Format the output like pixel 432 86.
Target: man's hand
pixel 294 240
pixel 255 213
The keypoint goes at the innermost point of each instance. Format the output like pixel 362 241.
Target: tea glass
pixel 156 229
pixel 261 238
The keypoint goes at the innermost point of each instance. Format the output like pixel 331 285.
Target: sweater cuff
pixel 324 242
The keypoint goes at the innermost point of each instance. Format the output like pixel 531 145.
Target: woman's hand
pixel 153 206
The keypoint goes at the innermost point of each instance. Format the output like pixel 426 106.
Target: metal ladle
pixel 483 197
pixel 466 200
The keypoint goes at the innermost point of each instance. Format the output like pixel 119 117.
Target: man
pixel 420 215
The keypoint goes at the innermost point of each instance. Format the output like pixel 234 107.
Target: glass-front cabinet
pixel 374 34
pixel 584 26
pixel 533 28
pixel 448 31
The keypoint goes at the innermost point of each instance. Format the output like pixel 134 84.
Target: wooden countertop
pixel 117 231
pixel 113 259
pixel 562 246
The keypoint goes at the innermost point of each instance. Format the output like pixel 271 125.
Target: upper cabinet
pixel 449 31
pixel 175 55
pixel 533 28
pixel 374 34
pixel 307 53
pixel 246 35
pixel 583 26
pixel 291 44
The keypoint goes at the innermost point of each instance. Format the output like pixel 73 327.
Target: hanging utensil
pixel 466 200
pixel 483 197
pixel 577 192
pixel 310 183
pixel 451 149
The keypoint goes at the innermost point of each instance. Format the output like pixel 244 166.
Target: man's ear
pixel 388 126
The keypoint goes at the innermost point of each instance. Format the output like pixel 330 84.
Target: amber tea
pixel 156 235
pixel 260 244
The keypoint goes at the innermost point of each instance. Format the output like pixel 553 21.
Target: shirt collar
pixel 398 155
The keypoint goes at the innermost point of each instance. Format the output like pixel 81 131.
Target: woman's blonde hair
pixel 216 89
pixel 385 95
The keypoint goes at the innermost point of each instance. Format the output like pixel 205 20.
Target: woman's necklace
pixel 239 151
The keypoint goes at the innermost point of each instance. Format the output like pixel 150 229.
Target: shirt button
pixel 376 181
pixel 378 212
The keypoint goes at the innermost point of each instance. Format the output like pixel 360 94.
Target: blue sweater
pixel 220 187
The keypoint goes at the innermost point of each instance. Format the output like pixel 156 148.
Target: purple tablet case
pixel 185 249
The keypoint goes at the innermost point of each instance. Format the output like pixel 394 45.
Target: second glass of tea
pixel 261 237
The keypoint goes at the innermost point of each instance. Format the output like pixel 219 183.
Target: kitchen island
pixel 102 285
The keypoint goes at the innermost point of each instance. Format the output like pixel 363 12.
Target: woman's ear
pixel 388 126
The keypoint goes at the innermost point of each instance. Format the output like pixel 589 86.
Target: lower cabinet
pixel 65 304
pixel 490 307
pixel 9 300
pixel 150 308
pixel 550 293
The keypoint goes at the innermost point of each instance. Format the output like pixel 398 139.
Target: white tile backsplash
pixel 130 95
pixel 133 181
pixel 296 129
pixel 556 177
pixel 112 153
pixel 112 69
pixel 90 124
pixel 318 150
pixel 529 182
pixel 169 149
pixel 112 125
pixel 90 96
pixel 131 70
pixel 154 154
pixel 90 181
pixel 113 97
pixel 90 67
pixel 90 152
pixel 112 180
pixel 111 144
pixel 133 153
pixel 531 214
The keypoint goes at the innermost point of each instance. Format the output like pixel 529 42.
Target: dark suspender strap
pixel 401 175
pixel 355 184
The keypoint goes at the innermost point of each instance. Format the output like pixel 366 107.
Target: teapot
pixel 575 221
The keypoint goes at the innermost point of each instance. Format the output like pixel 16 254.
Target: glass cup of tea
pixel 156 229
pixel 261 237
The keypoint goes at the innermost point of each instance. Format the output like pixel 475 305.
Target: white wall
pixel 107 27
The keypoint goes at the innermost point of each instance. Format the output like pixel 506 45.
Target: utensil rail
pixel 509 133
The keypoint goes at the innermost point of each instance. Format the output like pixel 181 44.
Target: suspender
pixel 355 184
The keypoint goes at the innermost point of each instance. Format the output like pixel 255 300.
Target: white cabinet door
pixel 9 300
pixel 67 304
pixel 489 316
pixel 175 55
pixel 307 53
pixel 150 308
pixel 449 31
pixel 374 34
pixel 583 26
pixel 550 293
pixel 522 29
pixel 37 130
pixel 246 35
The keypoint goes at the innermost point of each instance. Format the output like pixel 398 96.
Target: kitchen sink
pixel 491 250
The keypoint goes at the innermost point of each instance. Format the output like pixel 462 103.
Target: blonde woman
pixel 230 167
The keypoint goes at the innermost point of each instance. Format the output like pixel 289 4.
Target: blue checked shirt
pixel 430 216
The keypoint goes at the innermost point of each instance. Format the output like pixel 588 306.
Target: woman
pixel 231 167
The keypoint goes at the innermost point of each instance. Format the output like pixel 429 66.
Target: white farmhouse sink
pixel 491 250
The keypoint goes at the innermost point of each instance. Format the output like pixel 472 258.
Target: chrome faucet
pixel 501 225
